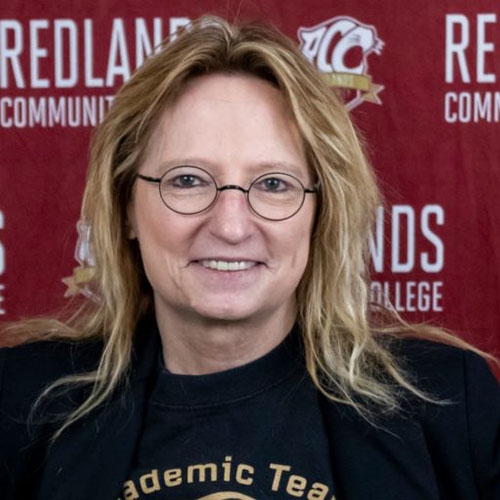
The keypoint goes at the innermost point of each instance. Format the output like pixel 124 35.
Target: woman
pixel 233 352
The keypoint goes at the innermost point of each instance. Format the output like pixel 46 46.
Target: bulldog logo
pixel 340 48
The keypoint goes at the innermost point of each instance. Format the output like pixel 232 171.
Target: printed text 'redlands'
pixel 470 68
pixel 60 53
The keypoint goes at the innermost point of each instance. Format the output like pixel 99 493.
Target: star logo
pixel 79 281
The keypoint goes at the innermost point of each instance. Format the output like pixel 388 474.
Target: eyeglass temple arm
pixel 156 180
pixel 314 189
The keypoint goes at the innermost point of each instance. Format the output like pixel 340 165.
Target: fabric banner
pixel 420 80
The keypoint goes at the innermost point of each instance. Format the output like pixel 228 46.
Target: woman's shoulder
pixel 50 354
pixel 442 365
pixel 26 369
pixel 463 430
pixel 449 373
pixel 468 391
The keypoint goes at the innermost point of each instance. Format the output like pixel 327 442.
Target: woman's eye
pixel 273 184
pixel 186 181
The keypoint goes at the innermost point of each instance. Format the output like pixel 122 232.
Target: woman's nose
pixel 230 218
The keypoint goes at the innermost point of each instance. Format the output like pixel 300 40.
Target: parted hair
pixel 346 338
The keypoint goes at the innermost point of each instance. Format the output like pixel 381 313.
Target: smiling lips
pixel 224 265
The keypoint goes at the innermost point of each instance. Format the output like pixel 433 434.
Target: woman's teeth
pixel 223 265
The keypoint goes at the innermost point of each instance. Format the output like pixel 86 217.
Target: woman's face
pixel 237 128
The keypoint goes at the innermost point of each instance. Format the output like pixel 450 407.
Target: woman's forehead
pixel 207 96
pixel 228 118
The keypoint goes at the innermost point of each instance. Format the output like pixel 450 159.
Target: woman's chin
pixel 229 311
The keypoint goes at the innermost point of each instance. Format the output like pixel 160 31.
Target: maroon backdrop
pixel 420 79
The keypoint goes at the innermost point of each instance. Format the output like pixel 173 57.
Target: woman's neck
pixel 198 346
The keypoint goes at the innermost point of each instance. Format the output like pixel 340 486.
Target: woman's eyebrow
pixel 282 166
pixel 192 161
pixel 255 169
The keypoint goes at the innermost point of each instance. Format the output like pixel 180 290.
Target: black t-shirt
pixel 252 432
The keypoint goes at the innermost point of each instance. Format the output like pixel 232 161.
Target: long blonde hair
pixel 344 355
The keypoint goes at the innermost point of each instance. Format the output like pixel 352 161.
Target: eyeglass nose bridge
pixel 237 188
pixel 232 186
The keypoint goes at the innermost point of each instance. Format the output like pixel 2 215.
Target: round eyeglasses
pixel 189 190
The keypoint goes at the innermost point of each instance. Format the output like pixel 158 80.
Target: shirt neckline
pixel 233 385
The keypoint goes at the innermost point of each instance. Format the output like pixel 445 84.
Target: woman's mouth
pixel 225 265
